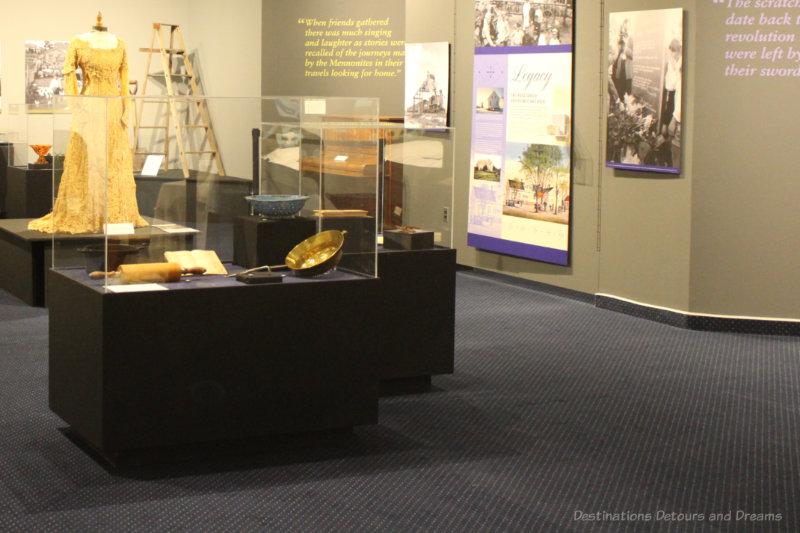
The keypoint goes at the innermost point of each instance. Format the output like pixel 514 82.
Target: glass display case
pixel 30 164
pixel 31 137
pixel 159 337
pixel 335 163
pixel 156 193
pixel 336 166
pixel 417 187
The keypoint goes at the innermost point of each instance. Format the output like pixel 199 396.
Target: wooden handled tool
pixel 149 273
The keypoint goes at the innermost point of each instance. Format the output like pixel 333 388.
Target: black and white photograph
pixel 43 77
pixel 427 84
pixel 523 23
pixel 645 64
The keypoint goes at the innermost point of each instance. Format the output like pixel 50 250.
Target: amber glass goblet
pixel 41 150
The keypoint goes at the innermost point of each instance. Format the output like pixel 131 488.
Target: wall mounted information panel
pixel 522 130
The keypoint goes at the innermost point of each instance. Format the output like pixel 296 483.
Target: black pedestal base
pixel 396 387
pixel 259 241
pixel 257 450
pixel 136 372
pixel 29 192
pixel 417 316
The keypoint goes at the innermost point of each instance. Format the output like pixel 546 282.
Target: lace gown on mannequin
pixel 97 184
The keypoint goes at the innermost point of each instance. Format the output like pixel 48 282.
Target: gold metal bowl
pixel 317 254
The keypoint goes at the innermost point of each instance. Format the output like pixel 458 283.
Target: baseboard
pixel 697 321
pixel 672 317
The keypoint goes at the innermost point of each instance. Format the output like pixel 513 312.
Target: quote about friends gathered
pixel 347 48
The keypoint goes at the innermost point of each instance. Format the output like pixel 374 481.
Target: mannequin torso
pixel 100 39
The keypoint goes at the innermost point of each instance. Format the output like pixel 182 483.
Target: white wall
pixel 223 38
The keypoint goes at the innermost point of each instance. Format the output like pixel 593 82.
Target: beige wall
pixel 722 238
pixel 645 223
pixel 745 223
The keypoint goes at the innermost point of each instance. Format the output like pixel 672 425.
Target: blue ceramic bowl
pixel 277 205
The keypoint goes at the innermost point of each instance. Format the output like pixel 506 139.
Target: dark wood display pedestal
pixel 22 260
pixel 416 306
pixel 6 157
pixel 417 317
pixel 211 360
pixel 259 241
pixel 29 192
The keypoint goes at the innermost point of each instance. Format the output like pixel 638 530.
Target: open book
pixel 207 259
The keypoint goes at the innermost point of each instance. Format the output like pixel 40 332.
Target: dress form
pixel 99 37
pixel 97 184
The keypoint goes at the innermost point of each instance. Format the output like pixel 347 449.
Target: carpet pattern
pixel 559 417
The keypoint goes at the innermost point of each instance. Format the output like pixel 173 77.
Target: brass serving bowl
pixel 317 254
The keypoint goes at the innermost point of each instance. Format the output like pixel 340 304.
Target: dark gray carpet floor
pixel 559 417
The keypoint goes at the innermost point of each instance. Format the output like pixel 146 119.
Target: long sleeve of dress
pixel 124 89
pixel 70 66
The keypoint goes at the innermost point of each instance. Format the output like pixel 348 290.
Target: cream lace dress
pixel 97 184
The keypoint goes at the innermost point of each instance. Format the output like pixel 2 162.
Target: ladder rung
pixel 168 24
pixel 152 127
pixel 202 152
pixel 177 51
pixel 149 153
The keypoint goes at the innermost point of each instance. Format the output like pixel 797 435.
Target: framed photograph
pixel 44 61
pixel 645 71
pixel 427 84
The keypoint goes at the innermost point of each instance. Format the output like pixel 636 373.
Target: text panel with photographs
pixel 520 184
pixel 645 61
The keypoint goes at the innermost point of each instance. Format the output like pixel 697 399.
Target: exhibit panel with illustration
pixel 645 72
pixel 427 84
pixel 522 130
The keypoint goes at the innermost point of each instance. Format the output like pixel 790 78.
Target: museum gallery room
pixel 464 265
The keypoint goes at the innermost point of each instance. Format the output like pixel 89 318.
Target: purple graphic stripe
pixel 528 251
pixel 647 168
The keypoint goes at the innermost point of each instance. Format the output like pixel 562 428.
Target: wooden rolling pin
pixel 149 273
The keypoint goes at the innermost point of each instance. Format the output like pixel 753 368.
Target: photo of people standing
pixel 644 90
pixel 523 23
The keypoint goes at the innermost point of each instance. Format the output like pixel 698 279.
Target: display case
pixel 33 164
pixel 416 262
pixel 337 190
pixel 334 165
pixel 157 336
pixel 6 157
pixel 26 185
pixel 417 187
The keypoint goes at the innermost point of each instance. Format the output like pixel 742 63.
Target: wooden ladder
pixel 175 49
